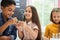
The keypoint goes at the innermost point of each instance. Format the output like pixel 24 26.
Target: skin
pixel 7 12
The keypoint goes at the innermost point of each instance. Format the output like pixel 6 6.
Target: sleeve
pixel 14 33
pixel 1 19
pixel 0 24
pixel 35 27
pixel 46 34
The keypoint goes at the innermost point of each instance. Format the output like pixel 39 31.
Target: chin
pixel 8 16
pixel 27 18
pixel 57 22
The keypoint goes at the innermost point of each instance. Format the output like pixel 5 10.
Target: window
pixel 44 8
pixel 0 7
pixel 17 3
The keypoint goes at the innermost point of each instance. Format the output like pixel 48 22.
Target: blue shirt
pixel 10 30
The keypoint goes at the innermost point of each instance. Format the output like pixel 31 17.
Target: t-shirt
pixel 51 29
pixel 11 29
pixel 27 36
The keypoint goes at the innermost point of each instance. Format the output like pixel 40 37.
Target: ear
pixel 1 7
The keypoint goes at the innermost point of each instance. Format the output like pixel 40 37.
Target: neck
pixel 28 20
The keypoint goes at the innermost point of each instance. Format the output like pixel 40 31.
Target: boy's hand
pixel 13 20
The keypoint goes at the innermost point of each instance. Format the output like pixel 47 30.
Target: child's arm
pixel 19 28
pixel 4 26
pixel 20 34
pixel 5 38
pixel 32 32
pixel 46 34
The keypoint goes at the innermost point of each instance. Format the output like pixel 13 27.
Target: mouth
pixel 57 22
pixel 27 15
pixel 9 15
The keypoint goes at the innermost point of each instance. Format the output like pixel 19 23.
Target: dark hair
pixel 35 20
pixel 5 3
pixel 54 10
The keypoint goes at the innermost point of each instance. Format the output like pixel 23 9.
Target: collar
pixel 29 22
pixel 56 25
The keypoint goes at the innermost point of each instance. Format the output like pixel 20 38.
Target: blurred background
pixel 43 7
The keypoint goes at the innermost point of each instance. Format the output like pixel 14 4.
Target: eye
pixel 29 11
pixel 25 10
pixel 54 16
pixel 9 9
pixel 13 10
pixel 58 16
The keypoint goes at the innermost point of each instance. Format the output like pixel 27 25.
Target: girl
pixel 53 28
pixel 30 29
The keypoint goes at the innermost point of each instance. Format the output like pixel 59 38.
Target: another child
pixel 30 28
pixel 53 29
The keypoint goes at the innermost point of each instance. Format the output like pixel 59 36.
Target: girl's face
pixel 28 13
pixel 56 17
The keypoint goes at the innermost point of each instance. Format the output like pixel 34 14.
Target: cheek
pixel 53 18
pixel 30 14
pixel 6 12
pixel 12 13
pixel 56 20
pixel 59 19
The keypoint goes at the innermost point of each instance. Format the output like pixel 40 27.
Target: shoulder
pixel 34 26
pixel 1 19
pixel 0 16
pixel 49 25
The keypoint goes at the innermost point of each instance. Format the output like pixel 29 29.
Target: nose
pixel 11 13
pixel 57 18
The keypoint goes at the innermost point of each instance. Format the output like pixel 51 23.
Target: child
pixel 53 28
pixel 7 29
pixel 30 28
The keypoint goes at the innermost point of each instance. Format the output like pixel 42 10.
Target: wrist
pixel 20 28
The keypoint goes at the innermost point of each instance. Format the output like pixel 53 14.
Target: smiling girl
pixel 30 28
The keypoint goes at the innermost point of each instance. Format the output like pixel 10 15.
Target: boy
pixel 7 23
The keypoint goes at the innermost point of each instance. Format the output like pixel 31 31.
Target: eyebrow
pixel 11 9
